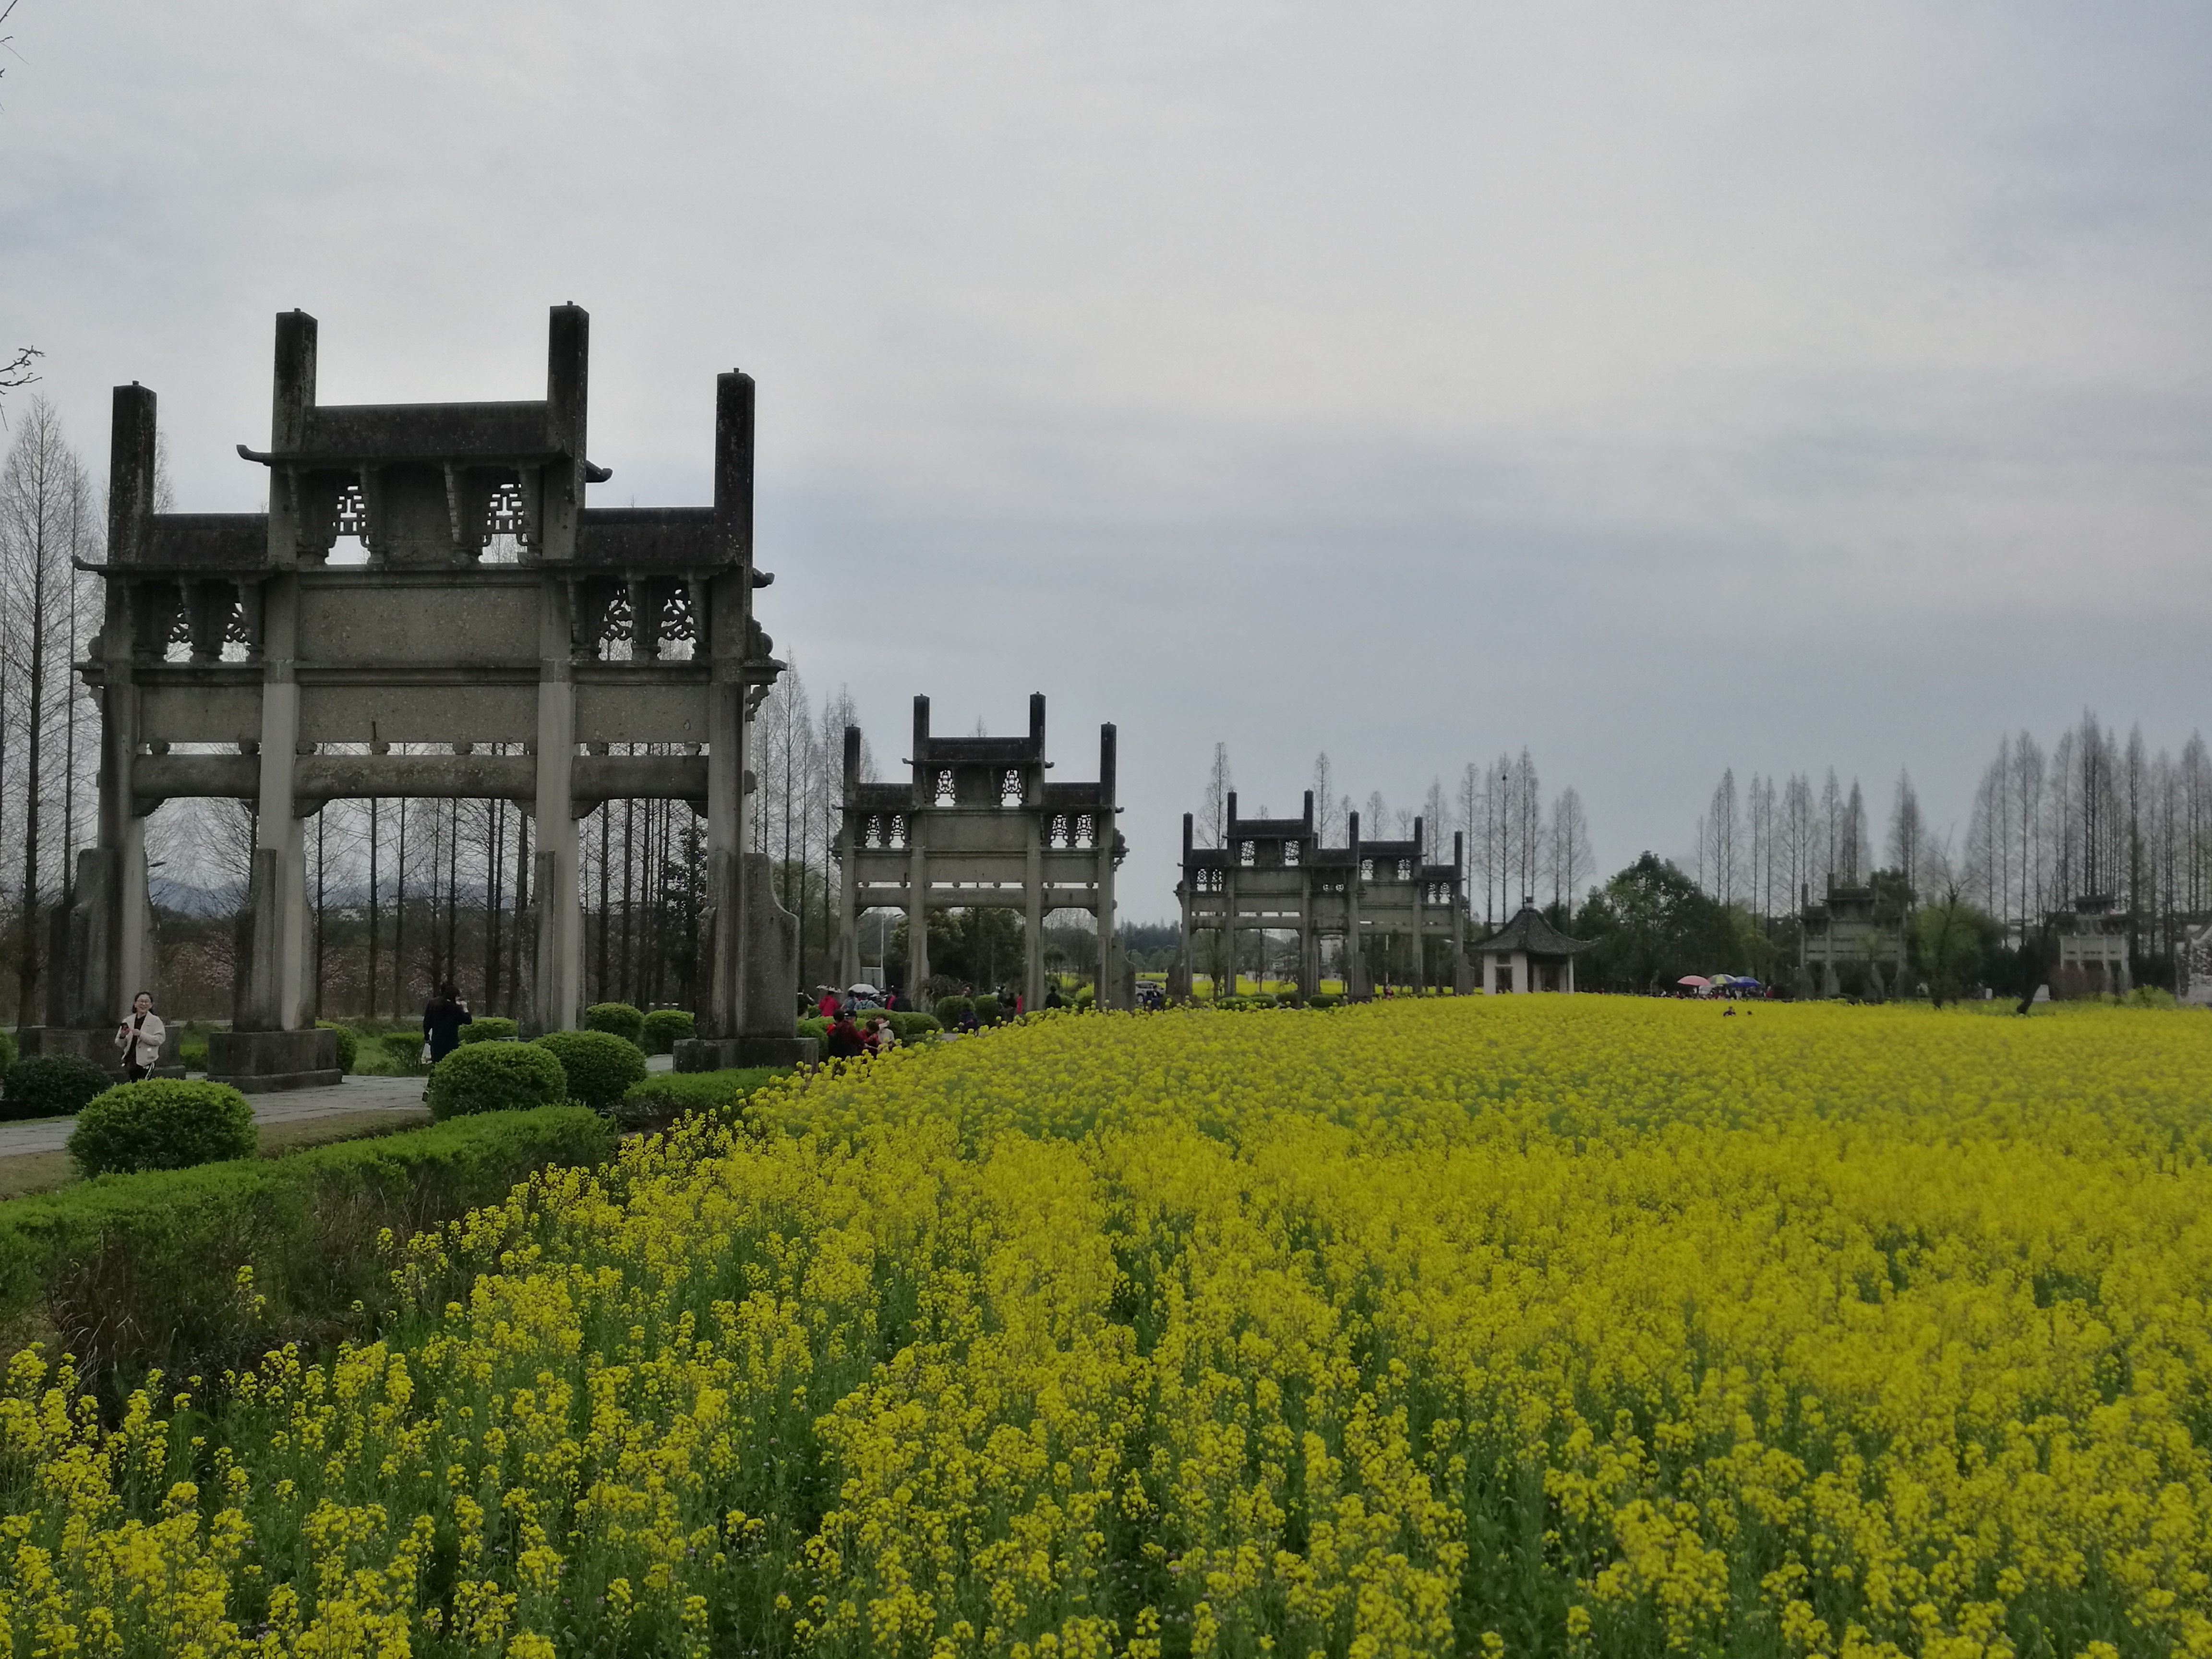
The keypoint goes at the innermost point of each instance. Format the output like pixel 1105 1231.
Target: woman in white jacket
pixel 140 1038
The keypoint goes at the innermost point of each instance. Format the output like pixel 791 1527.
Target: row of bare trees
pixel 51 516
pixel 2093 816
pixel 1768 846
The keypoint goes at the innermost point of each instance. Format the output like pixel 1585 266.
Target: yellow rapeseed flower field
pixel 1520 1325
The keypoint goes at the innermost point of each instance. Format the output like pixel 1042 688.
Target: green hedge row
pixel 52 1085
pixel 133 1272
pixel 667 1096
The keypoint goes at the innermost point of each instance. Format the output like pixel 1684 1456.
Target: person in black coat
pixel 443 1015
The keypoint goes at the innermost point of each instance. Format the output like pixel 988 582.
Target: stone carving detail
pixel 504 516
pixel 677 619
pixel 353 514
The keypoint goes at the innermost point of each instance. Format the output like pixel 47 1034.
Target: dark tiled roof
pixel 208 541
pixel 680 537
pixel 954 752
pixel 1530 932
pixel 426 432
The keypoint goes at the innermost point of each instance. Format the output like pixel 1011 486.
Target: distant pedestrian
pixel 845 1041
pixel 880 1038
pixel 827 1007
pixel 443 1015
pixel 140 1038
pixel 1052 997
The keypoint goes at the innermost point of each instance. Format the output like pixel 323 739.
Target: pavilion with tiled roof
pixel 1527 954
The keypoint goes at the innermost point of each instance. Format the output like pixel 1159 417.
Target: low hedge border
pixel 665 1097
pixel 134 1272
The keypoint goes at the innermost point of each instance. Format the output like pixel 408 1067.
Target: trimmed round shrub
pixel 164 1123
pixel 53 1085
pixel 488 1028
pixel 599 1065
pixel 951 1011
pixel 665 1028
pixel 813 1026
pixel 907 1027
pixel 496 1077
pixel 349 1043
pixel 987 1009
pixel 617 1017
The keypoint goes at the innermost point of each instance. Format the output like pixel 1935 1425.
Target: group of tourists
pixel 858 1029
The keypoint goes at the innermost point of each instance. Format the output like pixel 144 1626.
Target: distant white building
pixel 2093 937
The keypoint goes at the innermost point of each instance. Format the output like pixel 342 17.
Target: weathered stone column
pixel 1033 911
pixel 726 821
pixel 1419 967
pixel 557 985
pixel 1356 987
pixel 848 879
pixel 274 992
pixel 1179 976
pixel 917 868
pixel 117 927
pixel 1459 976
pixel 1109 962
pixel 274 1043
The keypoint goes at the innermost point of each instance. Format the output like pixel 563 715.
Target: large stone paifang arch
pixel 305 673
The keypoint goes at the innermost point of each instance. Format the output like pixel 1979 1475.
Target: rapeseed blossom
pixel 1500 1327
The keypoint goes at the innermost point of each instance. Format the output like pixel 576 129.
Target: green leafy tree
pixel 1650 925
pixel 1950 941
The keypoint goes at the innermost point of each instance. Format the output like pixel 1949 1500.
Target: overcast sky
pixel 1663 387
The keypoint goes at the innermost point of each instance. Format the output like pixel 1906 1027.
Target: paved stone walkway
pixel 355 1094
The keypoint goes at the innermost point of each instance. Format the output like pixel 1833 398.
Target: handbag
pixel 426 1053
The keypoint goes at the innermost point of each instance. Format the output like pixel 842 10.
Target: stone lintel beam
pixel 323 778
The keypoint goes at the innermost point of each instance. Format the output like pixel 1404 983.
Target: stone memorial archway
pixel 425 646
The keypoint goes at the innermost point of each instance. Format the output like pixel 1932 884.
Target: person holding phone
pixel 140 1038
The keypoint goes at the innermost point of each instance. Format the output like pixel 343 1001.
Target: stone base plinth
pixel 263 1062
pixel 722 1054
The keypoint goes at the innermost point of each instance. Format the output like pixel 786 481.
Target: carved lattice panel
pixel 353 512
pixel 504 516
pixel 677 621
pixel 616 625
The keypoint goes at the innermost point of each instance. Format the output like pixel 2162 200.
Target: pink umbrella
pixel 1693 979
